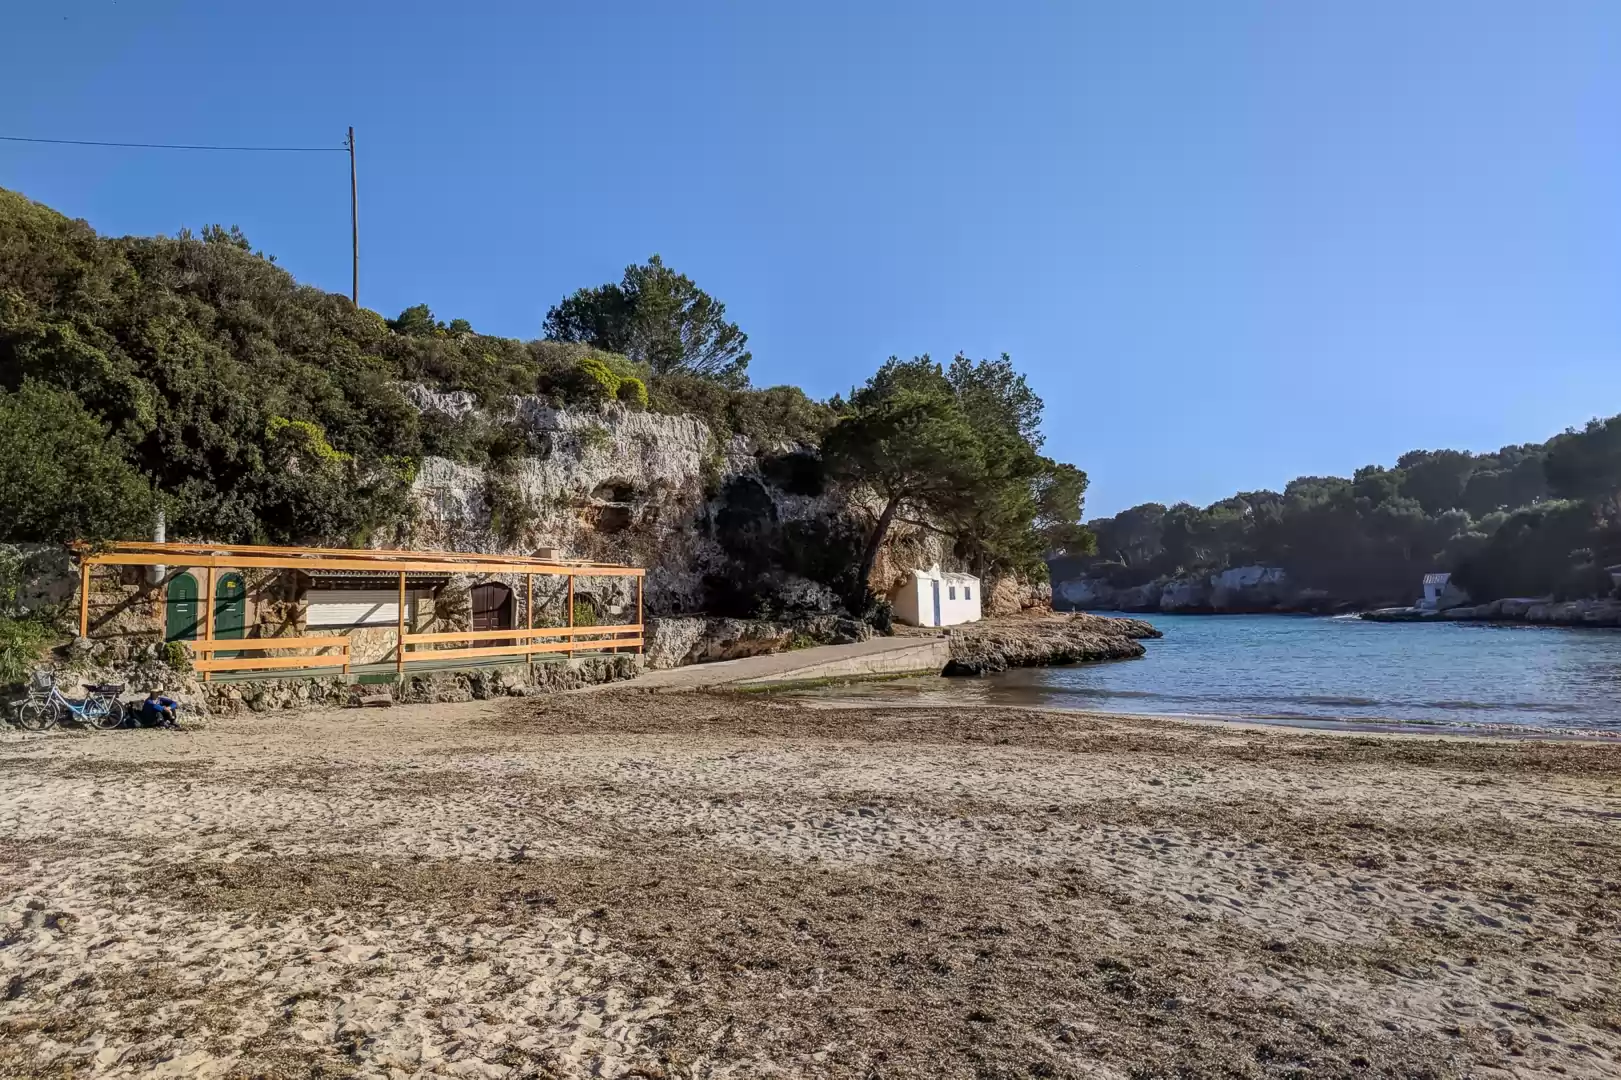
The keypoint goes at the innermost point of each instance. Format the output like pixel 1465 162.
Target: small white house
pixel 1435 587
pixel 932 598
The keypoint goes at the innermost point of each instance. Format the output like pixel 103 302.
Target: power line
pixel 179 146
pixel 347 148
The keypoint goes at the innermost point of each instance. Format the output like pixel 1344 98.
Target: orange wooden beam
pixel 262 644
pixel 269 662
pixel 208 623
pixel 100 553
pixel 518 635
pixel 514 651
pixel 388 566
pixel 399 639
pixel 84 600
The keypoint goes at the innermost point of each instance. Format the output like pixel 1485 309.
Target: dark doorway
pixel 492 610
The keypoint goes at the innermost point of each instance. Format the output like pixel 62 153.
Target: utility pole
pixel 354 220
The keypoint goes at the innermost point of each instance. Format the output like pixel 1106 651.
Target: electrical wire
pixel 178 146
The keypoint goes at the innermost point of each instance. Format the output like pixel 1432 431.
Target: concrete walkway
pixel 879 656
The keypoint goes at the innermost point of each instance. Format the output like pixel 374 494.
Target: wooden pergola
pixel 373 562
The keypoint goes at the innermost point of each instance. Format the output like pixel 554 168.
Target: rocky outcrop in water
pixel 1036 641
pixel 1534 611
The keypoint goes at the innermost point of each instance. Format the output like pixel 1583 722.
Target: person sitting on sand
pixel 157 710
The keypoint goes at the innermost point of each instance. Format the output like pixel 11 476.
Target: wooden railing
pixel 522 643
pixel 518 644
pixel 208 664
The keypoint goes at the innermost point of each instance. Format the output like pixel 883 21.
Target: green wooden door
pixel 230 610
pixel 180 596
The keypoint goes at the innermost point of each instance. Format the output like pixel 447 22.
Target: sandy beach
pixel 706 885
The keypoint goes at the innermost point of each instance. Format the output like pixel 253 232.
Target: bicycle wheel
pixel 36 715
pixel 106 714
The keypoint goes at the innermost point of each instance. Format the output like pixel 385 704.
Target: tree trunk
pixel 874 542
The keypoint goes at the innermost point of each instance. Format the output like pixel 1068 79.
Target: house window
pixel 967 593
pixel 953 592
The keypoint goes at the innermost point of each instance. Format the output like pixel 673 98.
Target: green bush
pixel 176 657
pixel 633 391
pixel 584 613
pixel 23 641
pixel 592 380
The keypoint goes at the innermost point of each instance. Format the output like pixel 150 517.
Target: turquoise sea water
pixel 1309 669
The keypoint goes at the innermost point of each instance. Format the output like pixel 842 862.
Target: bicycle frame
pixel 83 710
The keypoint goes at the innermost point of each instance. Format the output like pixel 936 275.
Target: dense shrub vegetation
pixel 193 372
pixel 1528 520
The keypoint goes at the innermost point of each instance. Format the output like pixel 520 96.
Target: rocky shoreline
pixel 1028 639
pixel 1041 640
pixel 1532 611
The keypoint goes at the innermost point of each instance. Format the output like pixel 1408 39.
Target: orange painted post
pixel 208 616
pixel 399 641
pixel 84 599
pixel 529 616
pixel 638 608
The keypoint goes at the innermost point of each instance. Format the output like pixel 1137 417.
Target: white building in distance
pixel 932 598
pixel 1436 589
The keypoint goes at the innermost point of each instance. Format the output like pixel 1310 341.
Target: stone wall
pixel 420 688
pixel 93 663
pixel 673 642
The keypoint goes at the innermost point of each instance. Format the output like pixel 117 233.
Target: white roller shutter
pixel 353 607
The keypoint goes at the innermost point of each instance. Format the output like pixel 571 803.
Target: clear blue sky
pixel 1230 243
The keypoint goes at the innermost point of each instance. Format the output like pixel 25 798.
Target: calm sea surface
pixel 1306 669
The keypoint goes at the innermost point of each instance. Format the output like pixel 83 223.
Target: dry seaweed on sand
pixel 719 885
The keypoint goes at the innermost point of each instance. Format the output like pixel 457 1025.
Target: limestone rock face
pixel 1251 588
pixel 1014 596
pixel 619 485
pixel 1239 589
pixel 1185 594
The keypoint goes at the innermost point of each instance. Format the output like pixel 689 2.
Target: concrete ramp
pixel 879 656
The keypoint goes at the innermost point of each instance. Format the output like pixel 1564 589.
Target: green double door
pixel 183 619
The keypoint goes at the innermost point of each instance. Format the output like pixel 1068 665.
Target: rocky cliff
pixel 724 526
pixel 1239 590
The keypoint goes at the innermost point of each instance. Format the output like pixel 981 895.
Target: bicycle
pixel 47 706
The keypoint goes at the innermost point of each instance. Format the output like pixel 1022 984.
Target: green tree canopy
pixel 1495 520
pixel 656 317
pixel 62 475
pixel 958 446
pixel 907 440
